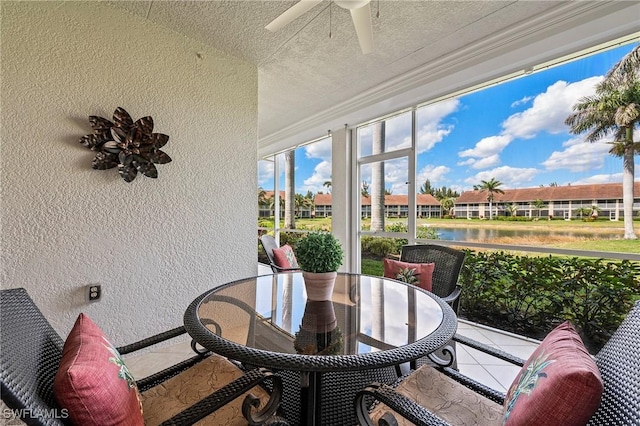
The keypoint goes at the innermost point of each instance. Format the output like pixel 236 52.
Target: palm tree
pixel 377 179
pixel 538 205
pixel 582 212
pixel 491 187
pixel 448 204
pixel 289 189
pixel 426 188
pixel 327 184
pixel 364 191
pixel 615 110
pixel 272 202
pixel 262 196
pixel 512 209
pixel 302 203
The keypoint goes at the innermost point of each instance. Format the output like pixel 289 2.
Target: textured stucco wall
pixel 154 244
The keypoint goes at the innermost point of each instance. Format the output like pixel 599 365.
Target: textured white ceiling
pixel 302 72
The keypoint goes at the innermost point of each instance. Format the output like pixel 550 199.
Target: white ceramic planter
pixel 319 285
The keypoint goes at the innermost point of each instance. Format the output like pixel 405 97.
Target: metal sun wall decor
pixel 132 147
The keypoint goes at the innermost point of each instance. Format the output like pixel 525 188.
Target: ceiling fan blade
pixel 364 28
pixel 292 13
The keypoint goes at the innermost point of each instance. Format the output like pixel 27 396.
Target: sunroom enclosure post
pixel 276 197
pixel 411 184
pixel 341 205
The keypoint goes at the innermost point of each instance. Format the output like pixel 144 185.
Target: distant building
pixel 394 206
pixel 267 209
pixel 559 201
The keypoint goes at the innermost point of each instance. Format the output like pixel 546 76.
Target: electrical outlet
pixel 94 292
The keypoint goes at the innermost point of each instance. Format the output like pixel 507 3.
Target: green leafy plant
pixel 319 252
pixel 530 294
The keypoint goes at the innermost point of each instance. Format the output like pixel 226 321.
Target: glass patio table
pixel 324 351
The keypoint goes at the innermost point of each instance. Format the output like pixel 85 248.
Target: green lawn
pixel 614 246
pixel 598 226
pixel 372 267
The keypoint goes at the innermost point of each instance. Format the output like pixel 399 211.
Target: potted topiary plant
pixel 319 256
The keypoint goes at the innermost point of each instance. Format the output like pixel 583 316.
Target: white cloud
pixel 468 162
pixel 265 173
pixel 315 182
pixel 578 156
pixel 398 132
pixel 437 111
pixel 486 162
pixel 512 177
pixel 430 134
pixel 595 179
pixel 546 114
pixel 395 175
pixel 522 101
pixel 320 150
pixel 549 109
pixel 488 146
pixel 435 174
pixel 430 130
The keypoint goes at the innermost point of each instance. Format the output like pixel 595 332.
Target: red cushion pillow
pixel 284 257
pixel 559 385
pixel 423 271
pixel 92 382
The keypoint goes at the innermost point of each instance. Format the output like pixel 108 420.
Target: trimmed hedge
pixel 531 295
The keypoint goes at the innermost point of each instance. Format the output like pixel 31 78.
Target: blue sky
pixel 513 132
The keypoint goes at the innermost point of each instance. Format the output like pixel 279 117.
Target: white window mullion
pixel 411 174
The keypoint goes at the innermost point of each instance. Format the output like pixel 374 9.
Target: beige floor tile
pixel 504 374
pixel 475 334
pixel 522 351
pixel 480 374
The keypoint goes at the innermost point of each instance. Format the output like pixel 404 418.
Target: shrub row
pixel 530 295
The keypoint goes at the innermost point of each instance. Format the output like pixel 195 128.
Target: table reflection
pixel 319 333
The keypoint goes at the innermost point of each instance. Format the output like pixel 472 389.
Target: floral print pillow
pixel 559 385
pixel 93 383
pixel 284 257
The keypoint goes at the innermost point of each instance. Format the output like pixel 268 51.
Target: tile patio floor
pixel 486 369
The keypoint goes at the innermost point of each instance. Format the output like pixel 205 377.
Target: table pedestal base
pixel 328 398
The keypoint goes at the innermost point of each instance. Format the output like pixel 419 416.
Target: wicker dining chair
pixel 269 244
pixel 448 263
pixel 32 352
pixel 618 363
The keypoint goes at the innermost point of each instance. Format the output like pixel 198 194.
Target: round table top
pixel 370 322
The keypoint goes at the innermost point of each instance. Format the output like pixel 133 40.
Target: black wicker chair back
pixel 29 359
pixel 448 262
pixel 619 365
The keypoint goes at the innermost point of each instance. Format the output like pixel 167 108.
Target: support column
pixel 341 195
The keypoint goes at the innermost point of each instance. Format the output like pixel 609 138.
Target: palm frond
pixel 626 72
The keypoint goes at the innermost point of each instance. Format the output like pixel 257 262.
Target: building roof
pixel 269 194
pixel 596 192
pixel 389 200
pixel 608 191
